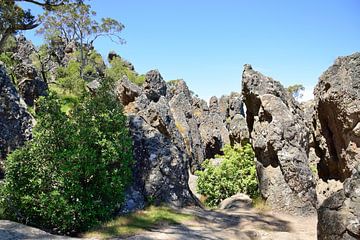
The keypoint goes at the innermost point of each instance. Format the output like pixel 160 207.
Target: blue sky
pixel 207 42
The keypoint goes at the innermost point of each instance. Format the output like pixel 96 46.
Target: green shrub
pixel 236 173
pixel 74 171
pixel 118 69
pixel 69 78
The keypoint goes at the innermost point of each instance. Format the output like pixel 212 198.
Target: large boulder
pixel 279 137
pixel 339 215
pixel 15 121
pixel 337 98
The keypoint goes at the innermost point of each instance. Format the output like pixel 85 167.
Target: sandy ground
pixel 237 224
pixel 225 224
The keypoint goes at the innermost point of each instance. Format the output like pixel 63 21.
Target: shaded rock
pixel 161 168
pixel 12 230
pixel 337 97
pixel 238 130
pixel 127 91
pixel 154 85
pixel 32 89
pixel 279 138
pixel 239 200
pixel 214 134
pixel 15 121
pixel 339 215
pixel 325 189
pixel 31 86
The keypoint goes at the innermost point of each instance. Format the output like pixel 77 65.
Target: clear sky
pixel 207 42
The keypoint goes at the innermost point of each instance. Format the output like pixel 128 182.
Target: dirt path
pixel 236 224
pixel 209 225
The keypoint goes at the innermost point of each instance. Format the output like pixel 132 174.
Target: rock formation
pixel 279 137
pixel 339 215
pixel 31 86
pixel 161 159
pixel 15 121
pixel 337 98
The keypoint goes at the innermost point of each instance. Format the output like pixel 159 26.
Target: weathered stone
pixel 32 89
pixel 180 107
pixel 15 121
pixel 239 200
pixel 279 137
pixel 337 98
pixel 161 168
pixel 127 91
pixel 339 215
pixel 154 85
pixel 214 134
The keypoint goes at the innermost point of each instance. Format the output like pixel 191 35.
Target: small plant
pixel 236 173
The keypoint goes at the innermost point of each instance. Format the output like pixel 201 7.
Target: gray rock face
pixel 337 98
pixel 279 137
pixel 180 106
pixel 31 86
pixel 339 215
pixel 162 159
pixel 15 121
pixel 154 85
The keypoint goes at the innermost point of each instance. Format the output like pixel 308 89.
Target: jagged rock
pixel 127 91
pixel 32 89
pixel 214 134
pixel 154 85
pixel 325 189
pixel 180 107
pixel 279 138
pixel 337 98
pixel 15 121
pixel 339 215
pixel 238 130
pixel 161 168
pixel 31 86
pixel 200 109
pixel 239 200
pixel 161 158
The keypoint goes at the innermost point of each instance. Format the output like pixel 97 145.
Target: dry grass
pixel 128 225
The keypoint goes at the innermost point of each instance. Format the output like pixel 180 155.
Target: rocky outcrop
pixel 180 106
pixel 337 98
pixel 279 137
pixel 339 215
pixel 161 158
pixel 31 86
pixel 15 121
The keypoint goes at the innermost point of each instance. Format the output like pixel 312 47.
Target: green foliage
pixel 118 69
pixel 236 173
pixel 69 78
pixel 74 171
pixel 296 91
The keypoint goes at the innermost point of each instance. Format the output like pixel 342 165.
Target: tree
pixel 74 171
pixel 296 91
pixel 13 18
pixel 76 23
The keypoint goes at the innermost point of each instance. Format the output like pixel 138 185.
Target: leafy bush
pixel 236 173
pixel 118 69
pixel 69 78
pixel 73 173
